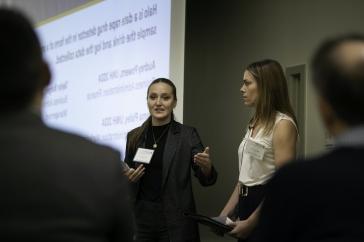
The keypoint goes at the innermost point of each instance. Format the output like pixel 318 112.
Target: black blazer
pixel 182 144
pixel 321 199
pixel 57 186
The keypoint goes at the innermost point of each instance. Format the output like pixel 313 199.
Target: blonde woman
pixel 269 142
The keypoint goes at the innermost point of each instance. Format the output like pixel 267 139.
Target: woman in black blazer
pixel 162 189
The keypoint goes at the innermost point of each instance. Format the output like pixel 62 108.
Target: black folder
pixel 217 224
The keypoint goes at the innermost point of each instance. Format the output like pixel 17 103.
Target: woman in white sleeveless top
pixel 269 142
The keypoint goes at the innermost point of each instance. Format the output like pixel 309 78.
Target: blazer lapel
pixel 172 143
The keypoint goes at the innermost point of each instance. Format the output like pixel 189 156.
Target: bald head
pixel 338 75
pixel 350 57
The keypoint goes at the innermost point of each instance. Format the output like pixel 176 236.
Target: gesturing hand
pixel 135 174
pixel 202 159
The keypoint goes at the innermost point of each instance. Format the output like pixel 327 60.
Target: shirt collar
pixel 352 138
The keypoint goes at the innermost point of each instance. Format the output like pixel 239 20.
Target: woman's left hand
pixel 202 159
pixel 241 228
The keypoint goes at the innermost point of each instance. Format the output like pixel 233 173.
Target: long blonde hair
pixel 272 93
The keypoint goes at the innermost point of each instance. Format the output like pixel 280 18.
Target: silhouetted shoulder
pixel 86 145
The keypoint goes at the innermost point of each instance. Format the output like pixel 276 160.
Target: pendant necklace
pixel 155 145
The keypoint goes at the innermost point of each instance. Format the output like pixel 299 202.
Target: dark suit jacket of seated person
pixel 321 198
pixel 55 186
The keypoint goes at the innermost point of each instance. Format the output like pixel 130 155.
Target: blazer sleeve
pixel 197 147
pixel 129 155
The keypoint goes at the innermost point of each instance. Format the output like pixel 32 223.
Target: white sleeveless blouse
pixel 256 155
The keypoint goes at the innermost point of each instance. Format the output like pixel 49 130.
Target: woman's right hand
pixel 135 174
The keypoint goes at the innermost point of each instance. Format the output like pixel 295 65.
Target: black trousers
pixel 249 200
pixel 150 222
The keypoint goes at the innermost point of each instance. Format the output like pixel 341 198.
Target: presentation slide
pixel 103 57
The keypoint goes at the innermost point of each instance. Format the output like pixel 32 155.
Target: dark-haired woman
pixel 161 154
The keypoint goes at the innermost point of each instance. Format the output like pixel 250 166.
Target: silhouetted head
pixel 338 75
pixel 23 72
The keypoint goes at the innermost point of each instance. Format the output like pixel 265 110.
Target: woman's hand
pixel 241 229
pixel 202 159
pixel 135 174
